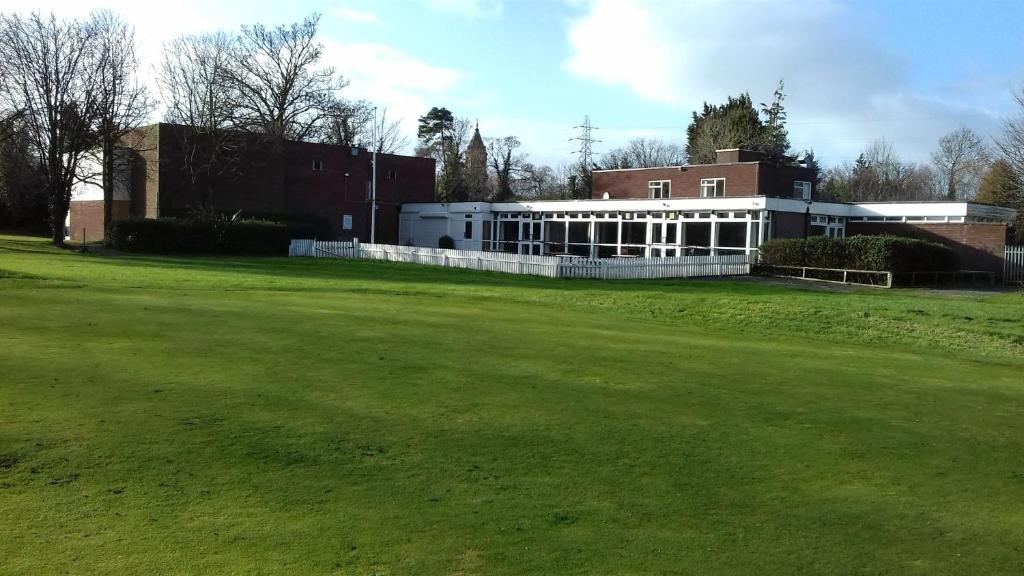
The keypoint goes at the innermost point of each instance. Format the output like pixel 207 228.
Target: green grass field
pixel 295 416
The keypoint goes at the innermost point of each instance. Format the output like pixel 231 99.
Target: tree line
pixel 70 91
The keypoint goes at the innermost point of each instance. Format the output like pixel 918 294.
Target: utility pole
pixel 373 185
pixel 585 151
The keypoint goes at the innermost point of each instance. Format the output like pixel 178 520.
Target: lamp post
pixel 807 219
pixel 373 185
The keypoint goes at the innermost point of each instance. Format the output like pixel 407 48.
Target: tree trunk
pixel 108 184
pixel 57 217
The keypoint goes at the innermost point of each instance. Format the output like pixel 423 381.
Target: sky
pixel 905 71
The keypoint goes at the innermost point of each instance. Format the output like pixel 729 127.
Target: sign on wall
pixel 346 222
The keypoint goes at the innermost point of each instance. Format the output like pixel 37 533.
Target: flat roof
pixel 846 209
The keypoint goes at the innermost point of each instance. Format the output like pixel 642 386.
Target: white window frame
pixel 318 165
pixel 663 187
pixel 802 189
pixel 711 184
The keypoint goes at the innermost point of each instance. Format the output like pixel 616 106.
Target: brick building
pixel 324 185
pixel 730 206
pixel 737 173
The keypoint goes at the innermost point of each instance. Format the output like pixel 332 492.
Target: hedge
pixel 192 236
pixel 884 253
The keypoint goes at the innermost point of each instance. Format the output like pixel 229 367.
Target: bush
pixel 193 236
pixel 883 253
pixel 446 241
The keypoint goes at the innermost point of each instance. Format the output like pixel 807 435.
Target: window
pixel 712 187
pixel 392 174
pixel 659 189
pixel 318 165
pixel 468 234
pixel 802 190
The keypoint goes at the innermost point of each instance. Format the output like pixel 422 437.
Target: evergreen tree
pixel 738 124
pixel 775 137
pixel 441 137
pixel 735 124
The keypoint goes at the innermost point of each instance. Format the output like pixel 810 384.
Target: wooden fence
pixel 1013 265
pixel 550 266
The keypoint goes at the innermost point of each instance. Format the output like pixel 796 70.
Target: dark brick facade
pixel 306 182
pixel 741 179
pixel 789 225
pixel 981 246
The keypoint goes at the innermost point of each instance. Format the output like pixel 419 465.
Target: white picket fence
pixel 1013 265
pixel 550 266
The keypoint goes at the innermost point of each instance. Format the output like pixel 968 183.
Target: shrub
pixel 446 241
pixel 193 236
pixel 884 253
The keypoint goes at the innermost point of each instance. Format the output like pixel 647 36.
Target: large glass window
pixel 554 237
pixel 634 232
pixel 712 187
pixel 732 234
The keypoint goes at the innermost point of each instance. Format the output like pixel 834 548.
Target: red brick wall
pixel 981 246
pixel 271 185
pixel 88 215
pixel 750 179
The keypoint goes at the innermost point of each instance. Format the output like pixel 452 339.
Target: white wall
pixel 423 224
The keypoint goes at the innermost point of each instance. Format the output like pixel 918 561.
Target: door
pixel 531 241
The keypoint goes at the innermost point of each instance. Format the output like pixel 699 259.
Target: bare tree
pixel 536 182
pixel 1010 143
pixel 505 164
pixel 644 153
pixel 388 134
pixel 280 88
pixel 879 175
pixel 349 123
pixel 198 93
pixel 123 102
pixel 48 73
pixel 960 162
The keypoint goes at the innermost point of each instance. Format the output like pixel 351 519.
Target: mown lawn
pixel 276 416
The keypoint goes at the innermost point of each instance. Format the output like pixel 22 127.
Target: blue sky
pixel 855 71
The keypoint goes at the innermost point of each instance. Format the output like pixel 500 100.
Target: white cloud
pixel 346 13
pixel 469 8
pixel 842 89
pixel 391 79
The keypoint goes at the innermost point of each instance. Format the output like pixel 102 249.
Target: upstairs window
pixel 318 165
pixel 712 187
pixel 659 189
pixel 802 190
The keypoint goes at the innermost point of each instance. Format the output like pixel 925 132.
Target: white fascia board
pixel 634 205
pixel 919 209
pixel 895 209
pixel 820 208
pixel 445 207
